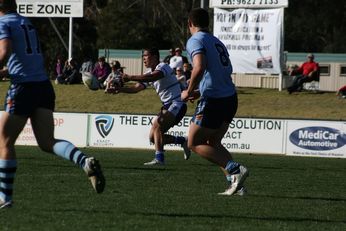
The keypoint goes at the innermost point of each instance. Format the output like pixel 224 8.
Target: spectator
pixel 59 68
pixel 187 71
pixel 102 70
pixel 60 78
pixel 307 72
pixel 4 73
pixel 169 56
pixel 118 66
pixel 181 78
pixel 341 93
pixel 70 73
pixel 177 60
pixel 114 81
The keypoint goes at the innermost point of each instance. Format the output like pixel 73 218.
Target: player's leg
pixel 156 137
pixel 215 141
pixel 208 128
pixel 12 122
pixel 210 123
pixel 166 119
pixel 43 126
pixel 216 153
pixel 198 142
pixel 176 112
pixel 10 128
pixel 241 190
pixel 42 122
pixel 160 125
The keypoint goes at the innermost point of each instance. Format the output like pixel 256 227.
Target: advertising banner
pixel 255 136
pixel 316 138
pixel 128 131
pixel 252 37
pixel 71 127
pixel 244 135
pixel 49 8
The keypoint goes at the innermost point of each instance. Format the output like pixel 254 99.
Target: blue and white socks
pixel 232 167
pixel 68 151
pixel 160 156
pixel 7 172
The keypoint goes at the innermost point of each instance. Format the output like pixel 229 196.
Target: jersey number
pixel 30 30
pixel 222 54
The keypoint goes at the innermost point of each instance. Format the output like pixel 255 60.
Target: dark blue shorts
pixel 24 98
pixel 213 112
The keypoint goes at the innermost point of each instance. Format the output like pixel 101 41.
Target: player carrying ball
pixel 166 85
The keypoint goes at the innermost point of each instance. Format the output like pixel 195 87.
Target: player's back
pixel 25 63
pixel 217 81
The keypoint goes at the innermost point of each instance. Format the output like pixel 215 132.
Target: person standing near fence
pixel 30 96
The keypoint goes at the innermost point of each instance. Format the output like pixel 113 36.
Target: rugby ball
pixel 90 81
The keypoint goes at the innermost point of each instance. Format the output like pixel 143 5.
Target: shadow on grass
pixel 307 92
pixel 244 92
pixel 282 219
pixel 301 198
pixel 160 168
pixel 298 169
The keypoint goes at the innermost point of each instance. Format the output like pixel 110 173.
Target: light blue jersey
pixel 25 64
pixel 217 81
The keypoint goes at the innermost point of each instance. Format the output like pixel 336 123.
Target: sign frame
pixel 56 8
pixel 248 3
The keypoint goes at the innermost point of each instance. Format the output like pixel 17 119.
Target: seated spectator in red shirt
pixel 307 72
pixel 341 93
pixel 101 70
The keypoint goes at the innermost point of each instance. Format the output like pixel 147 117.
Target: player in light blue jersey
pixel 30 96
pixel 211 75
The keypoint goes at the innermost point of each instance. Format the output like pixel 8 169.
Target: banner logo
pixel 104 124
pixel 318 138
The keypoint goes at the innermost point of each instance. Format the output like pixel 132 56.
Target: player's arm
pixel 149 77
pixel 199 66
pixel 137 87
pixel 5 50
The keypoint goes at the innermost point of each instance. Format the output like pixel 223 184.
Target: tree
pixel 143 23
pixel 315 26
pixel 310 26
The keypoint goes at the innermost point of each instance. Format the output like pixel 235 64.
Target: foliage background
pixel 310 26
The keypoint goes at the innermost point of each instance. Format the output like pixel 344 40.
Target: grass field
pixel 263 103
pixel 285 193
pixel 252 103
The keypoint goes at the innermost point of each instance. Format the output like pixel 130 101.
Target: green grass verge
pixel 262 103
pixel 285 193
